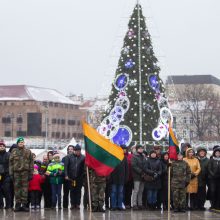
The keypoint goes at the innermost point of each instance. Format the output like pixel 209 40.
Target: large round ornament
pixel 123 102
pixel 117 114
pixel 156 134
pixel 129 64
pixel 107 128
pixel 154 83
pixel 121 81
pixel 123 136
pixel 166 115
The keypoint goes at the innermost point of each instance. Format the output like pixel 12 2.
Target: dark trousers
pixel 214 193
pixel 107 195
pixel 201 197
pixel 46 189
pixel 66 190
pixel 128 192
pixel 192 197
pixel 117 196
pixel 35 198
pixel 75 194
pixel 5 191
pixel 56 194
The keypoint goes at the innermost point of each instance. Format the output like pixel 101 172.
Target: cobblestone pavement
pixel 109 215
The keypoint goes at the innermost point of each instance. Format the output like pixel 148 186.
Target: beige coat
pixel 195 169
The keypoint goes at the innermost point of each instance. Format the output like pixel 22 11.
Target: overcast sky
pixel 73 46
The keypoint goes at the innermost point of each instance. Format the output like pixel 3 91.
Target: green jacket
pixel 180 174
pixel 21 160
pixel 56 177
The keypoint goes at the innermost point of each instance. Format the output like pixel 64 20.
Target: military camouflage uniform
pixel 97 187
pixel 180 178
pixel 21 170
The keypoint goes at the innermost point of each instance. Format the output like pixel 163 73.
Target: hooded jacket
pixel 195 170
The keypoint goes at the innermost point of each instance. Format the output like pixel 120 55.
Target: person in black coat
pixel 214 178
pixel 202 178
pixel 164 178
pixel 5 180
pixel 153 167
pixel 118 178
pixel 66 187
pixel 74 173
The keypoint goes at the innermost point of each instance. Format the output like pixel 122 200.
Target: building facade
pixel 38 112
pixel 189 122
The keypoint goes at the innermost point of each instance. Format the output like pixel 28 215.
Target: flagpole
pixel 89 193
pixel 169 178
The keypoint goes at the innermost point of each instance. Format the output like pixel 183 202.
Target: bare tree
pixel 199 101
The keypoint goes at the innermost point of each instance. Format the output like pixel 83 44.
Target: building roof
pixel 25 93
pixel 192 79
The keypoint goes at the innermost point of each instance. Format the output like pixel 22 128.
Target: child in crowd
pixel 56 172
pixel 35 188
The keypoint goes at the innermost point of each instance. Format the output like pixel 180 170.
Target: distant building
pixel 176 83
pixel 183 121
pixel 38 112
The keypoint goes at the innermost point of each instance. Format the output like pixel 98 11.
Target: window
pixel 210 133
pixel 21 133
pixel 191 120
pixel 63 121
pixel 51 104
pixel 68 135
pixel 63 135
pixel 6 120
pixel 58 121
pixel 57 134
pixel 184 133
pixel 53 134
pixel 55 104
pixel 191 134
pixel 54 121
pixel 7 134
pixel 184 120
pixel 66 105
pixel 19 120
pixel 78 123
pixel 71 122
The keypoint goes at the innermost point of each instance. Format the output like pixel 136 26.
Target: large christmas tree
pixel 137 109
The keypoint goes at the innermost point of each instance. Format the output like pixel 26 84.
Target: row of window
pixel 46 104
pixel 61 105
pixel 63 122
pixel 7 120
pixel 62 135
pixel 191 134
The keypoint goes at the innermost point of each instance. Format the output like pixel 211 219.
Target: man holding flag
pixel 102 157
pixel 180 173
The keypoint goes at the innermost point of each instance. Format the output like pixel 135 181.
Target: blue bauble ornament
pixel 121 81
pixel 123 136
pixel 154 83
pixel 129 64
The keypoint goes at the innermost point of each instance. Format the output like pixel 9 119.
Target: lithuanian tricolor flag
pixel 101 154
pixel 173 144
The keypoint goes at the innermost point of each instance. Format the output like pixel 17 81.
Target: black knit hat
pixel 200 149
pixel 139 146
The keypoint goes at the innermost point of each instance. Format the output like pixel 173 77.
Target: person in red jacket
pixel 35 188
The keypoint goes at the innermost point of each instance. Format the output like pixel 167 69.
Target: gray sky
pixel 73 46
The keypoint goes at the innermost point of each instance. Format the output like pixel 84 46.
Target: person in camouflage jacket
pixel 21 171
pixel 180 178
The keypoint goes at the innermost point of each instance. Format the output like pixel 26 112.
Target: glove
pixel 169 164
pixel 193 176
pixel 155 175
pixel 30 177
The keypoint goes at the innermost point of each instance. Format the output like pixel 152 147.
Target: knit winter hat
pixel 77 147
pixel 56 155
pixel 20 139
pixel 139 146
pixel 2 143
pixel 35 167
pixel 200 149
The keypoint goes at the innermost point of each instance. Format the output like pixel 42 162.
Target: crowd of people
pixel 140 182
